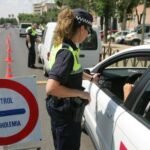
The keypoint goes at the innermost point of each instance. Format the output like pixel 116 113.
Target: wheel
pixel 135 42
pixel 45 73
pixel 39 60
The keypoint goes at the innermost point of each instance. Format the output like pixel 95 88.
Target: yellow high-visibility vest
pixel 77 68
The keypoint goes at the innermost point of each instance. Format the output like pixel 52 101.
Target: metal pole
pixel 143 26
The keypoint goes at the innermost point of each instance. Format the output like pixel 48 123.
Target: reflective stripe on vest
pixel 33 33
pixel 76 66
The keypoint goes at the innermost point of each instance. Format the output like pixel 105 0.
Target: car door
pixel 132 130
pixel 106 104
pixel 110 106
pixel 101 112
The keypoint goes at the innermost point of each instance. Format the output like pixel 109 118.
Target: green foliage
pixel 101 7
pixel 127 6
pixel 12 21
pixel 51 15
pixel 73 4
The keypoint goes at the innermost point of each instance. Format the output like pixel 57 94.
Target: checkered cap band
pixel 83 20
pixel 82 16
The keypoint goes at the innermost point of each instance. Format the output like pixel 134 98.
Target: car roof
pixel 126 50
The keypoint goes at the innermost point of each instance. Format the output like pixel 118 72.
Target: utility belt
pixel 65 109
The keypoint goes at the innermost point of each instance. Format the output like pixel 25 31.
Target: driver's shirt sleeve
pixel 62 67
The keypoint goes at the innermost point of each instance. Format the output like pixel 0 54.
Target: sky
pixel 9 7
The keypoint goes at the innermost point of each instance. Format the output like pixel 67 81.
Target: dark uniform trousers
pixel 65 123
pixel 31 56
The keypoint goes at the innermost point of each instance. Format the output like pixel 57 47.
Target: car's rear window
pixel 25 25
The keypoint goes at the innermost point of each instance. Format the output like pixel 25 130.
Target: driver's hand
pixel 127 88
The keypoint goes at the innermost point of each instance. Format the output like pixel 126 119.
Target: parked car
pixel 118 37
pixel 109 32
pixel 112 123
pixel 134 38
pixel 146 41
pixel 90 48
pixel 22 28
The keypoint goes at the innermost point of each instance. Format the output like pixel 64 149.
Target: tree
pixel 73 4
pixel 106 10
pixel 125 8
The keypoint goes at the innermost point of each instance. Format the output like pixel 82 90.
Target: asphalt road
pixel 19 68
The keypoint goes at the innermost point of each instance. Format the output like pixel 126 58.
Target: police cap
pixel 82 17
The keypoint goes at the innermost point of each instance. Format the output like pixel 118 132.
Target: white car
pixel 146 41
pixel 111 122
pixel 90 48
pixel 118 37
pixel 22 28
pixel 134 38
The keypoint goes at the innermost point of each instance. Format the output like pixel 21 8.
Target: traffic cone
pixel 8 57
pixel 8 71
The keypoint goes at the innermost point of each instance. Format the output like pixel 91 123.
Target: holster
pixel 78 109
pixel 66 109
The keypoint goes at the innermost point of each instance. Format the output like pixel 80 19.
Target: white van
pixel 90 48
pixel 22 28
pixel 134 38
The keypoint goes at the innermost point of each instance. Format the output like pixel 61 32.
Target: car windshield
pixel 25 25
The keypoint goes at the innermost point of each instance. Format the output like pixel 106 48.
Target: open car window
pixel 117 73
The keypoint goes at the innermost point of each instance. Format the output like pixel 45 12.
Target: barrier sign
pixel 19 111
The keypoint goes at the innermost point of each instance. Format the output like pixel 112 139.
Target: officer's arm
pixel 93 78
pixel 54 88
pixel 28 38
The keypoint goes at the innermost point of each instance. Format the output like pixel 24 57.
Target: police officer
pixel 31 38
pixel 66 97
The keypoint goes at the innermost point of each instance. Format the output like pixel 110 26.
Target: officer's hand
pixel 86 96
pixel 96 78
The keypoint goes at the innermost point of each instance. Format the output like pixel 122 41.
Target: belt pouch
pixel 79 107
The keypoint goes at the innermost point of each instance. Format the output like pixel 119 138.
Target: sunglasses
pixel 88 29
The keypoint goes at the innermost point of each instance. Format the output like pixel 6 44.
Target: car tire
pixel 45 73
pixel 39 60
pixel 135 42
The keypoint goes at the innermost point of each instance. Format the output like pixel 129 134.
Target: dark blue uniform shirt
pixel 63 67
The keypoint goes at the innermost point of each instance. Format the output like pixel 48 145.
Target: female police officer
pixel 66 98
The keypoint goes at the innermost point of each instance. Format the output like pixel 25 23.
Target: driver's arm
pixel 127 88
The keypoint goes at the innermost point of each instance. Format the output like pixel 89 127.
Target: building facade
pixel 131 24
pixel 44 6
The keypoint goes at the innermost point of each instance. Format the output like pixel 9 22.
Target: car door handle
pixel 81 55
